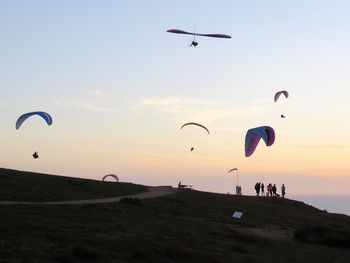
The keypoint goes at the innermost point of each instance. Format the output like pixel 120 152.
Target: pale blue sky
pixel 117 84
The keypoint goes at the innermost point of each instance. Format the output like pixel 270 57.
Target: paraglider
pixel 196 124
pixel 35 155
pixel 25 116
pixel 279 93
pixel 254 135
pixel 110 175
pixel 194 34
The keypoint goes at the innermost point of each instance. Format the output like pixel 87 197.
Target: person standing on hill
pixel 274 190
pixel 262 189
pixel 257 188
pixel 269 189
pixel 283 190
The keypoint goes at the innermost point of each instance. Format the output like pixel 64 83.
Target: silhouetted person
pixel 283 117
pixel 192 148
pixel 269 189
pixel 257 188
pixel 274 190
pixel 194 44
pixel 179 185
pixel 35 155
pixel 283 190
pixel 237 189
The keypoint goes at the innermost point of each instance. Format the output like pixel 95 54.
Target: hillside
pixel 187 226
pixel 27 186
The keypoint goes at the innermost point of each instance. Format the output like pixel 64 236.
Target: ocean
pixel 339 204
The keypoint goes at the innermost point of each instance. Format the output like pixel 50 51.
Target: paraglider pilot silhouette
pixel 35 155
pixel 193 44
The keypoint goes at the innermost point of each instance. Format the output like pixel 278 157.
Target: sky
pixel 119 87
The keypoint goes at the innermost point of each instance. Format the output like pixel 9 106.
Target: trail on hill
pixel 153 191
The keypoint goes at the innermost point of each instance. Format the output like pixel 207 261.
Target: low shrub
pixel 132 201
pixel 322 235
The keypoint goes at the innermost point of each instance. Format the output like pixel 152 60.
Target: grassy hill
pixel 187 226
pixel 27 186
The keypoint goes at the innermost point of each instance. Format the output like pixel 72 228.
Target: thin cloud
pixel 171 104
pixel 190 109
pixel 84 105
pixel 330 146
pixel 213 114
pixel 97 93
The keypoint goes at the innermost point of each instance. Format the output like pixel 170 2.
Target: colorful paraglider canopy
pixel 110 175
pixel 196 124
pixel 254 135
pixel 279 93
pixel 25 116
pixel 178 31
pixel 233 169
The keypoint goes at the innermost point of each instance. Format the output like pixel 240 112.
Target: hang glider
pixel 178 31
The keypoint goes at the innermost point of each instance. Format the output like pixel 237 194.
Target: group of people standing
pixel 271 190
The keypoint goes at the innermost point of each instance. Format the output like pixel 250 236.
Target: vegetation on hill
pixel 188 226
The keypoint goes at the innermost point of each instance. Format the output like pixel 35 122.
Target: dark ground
pixel 188 226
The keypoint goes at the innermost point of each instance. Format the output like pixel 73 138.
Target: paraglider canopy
pixel 233 169
pixel 110 175
pixel 254 135
pixel 25 116
pixel 196 124
pixel 279 93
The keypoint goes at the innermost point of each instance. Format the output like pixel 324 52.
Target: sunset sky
pixel 119 87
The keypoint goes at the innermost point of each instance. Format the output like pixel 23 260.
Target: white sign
pixel 237 214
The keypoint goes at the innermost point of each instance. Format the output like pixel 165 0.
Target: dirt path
pixel 151 193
